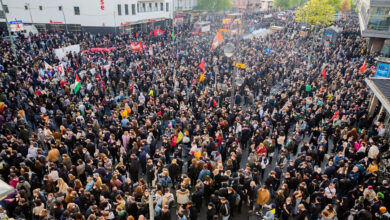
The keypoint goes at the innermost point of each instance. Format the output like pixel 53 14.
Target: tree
pixel 335 3
pixel 216 5
pixel 297 3
pixel 223 5
pixel 288 3
pixel 345 5
pixel 316 12
pixel 282 4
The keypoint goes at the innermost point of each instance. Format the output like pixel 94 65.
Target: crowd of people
pixel 150 128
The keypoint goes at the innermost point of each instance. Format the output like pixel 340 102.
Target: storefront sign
pixel 383 70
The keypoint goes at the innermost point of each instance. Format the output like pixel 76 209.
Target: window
pixel 126 9
pixel 76 10
pixel 167 6
pixel 40 8
pixel 2 15
pixel 143 7
pixel 386 48
pixel 161 6
pixel 6 8
pixel 59 8
pixel 119 10
pixel 379 19
pixel 138 7
pixel 150 7
pixel 26 7
pixel 133 9
pixel 155 6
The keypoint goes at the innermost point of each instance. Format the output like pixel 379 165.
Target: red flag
pixel 136 35
pixel 334 116
pixel 218 39
pixel 151 60
pixel 202 65
pixel 324 73
pixel 158 32
pixel 136 47
pixel 363 68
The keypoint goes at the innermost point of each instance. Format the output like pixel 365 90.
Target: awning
pixel 5 189
pixel 381 89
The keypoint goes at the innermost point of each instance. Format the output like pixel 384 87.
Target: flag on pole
pixel 334 116
pixel 218 39
pixel 77 84
pixel 202 65
pixel 151 60
pixel 158 32
pixel 201 78
pixel 364 66
pixel 324 73
pixel 136 47
pixel 173 36
pixel 48 67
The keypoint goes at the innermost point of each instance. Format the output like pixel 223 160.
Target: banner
pixel 136 47
pixel 226 21
pixel 97 49
pixel 158 32
pixel 239 65
pixel 61 52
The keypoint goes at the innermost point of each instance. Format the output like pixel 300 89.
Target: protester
pixel 118 130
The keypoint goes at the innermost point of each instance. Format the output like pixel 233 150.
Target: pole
pixel 114 22
pixel 29 10
pixel 8 29
pixel 233 88
pixel 63 14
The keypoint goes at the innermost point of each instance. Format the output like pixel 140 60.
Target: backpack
pixel 224 210
pixel 165 181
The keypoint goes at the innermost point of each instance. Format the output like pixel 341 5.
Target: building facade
pixel 374 19
pixel 252 5
pixel 184 5
pixel 90 15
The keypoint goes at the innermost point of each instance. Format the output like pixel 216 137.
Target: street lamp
pixel 228 50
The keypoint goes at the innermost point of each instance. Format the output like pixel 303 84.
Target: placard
pixel 383 70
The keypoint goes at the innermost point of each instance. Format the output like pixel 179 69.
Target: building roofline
pixel 384 101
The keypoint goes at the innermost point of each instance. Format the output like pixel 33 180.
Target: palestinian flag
pixel 173 36
pixel 77 84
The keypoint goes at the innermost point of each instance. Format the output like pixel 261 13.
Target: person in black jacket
pixel 174 172
pixel 315 209
pixel 211 211
pixel 302 213
pixel 197 197
pixel 224 209
pixel 134 167
pixel 150 174
pixel 165 213
pixel 192 211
